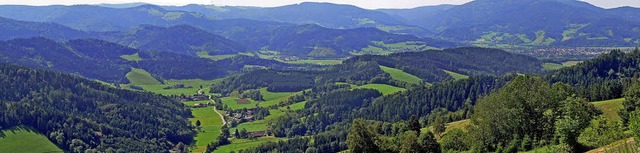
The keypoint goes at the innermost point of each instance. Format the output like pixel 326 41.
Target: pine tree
pixel 438 126
pixel 360 138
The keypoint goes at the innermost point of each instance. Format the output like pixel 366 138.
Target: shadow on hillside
pixel 3 133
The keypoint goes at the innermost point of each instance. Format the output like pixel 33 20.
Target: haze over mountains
pixel 320 77
pixel 480 22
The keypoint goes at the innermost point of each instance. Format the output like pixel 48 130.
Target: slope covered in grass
pixel 610 108
pixel 24 139
pixel 383 88
pixel 211 123
pixel 141 77
pixel 401 75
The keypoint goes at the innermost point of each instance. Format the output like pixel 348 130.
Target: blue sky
pixel 370 4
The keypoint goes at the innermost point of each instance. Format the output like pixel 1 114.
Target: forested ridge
pixel 80 115
pixel 601 78
pixel 102 60
pixel 298 80
pixel 472 61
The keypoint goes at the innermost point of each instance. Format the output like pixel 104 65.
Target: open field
pixel 552 66
pixel 297 106
pixel 555 66
pixel 211 123
pixel 195 83
pixel 401 75
pixel 274 98
pixel 317 62
pixel 383 88
pixel 23 139
pixel 267 96
pixel 243 101
pixel 610 108
pixel 260 125
pixel 462 124
pixel 204 54
pixel 141 77
pixel 135 57
pixel 543 149
pixel 455 75
pixel 239 144
pixel 232 102
pixel 570 63
pixel 622 146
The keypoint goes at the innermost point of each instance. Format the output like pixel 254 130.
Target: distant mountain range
pixel 529 22
pixel 243 36
pixel 480 22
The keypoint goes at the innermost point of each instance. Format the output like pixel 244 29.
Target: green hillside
pixel 455 75
pixel 610 108
pixel 383 88
pixel 401 75
pixel 24 139
pixel 141 77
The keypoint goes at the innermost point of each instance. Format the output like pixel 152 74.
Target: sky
pixel 369 4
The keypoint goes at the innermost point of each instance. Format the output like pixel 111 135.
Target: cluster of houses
pixel 194 97
pixel 201 105
pixel 242 116
pixel 177 86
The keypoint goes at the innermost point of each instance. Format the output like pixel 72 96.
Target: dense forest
pixel 298 80
pixel 601 78
pixel 80 115
pixel 472 61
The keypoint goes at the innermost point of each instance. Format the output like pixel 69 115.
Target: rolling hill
pixel 12 29
pixel 529 22
pixel 106 61
pixel 313 40
pixel 432 65
pixel 181 39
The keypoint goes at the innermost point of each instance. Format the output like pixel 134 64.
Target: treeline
pixel 359 136
pixel 458 95
pixel 322 112
pixel 335 103
pixel 528 113
pixel 472 61
pixel 601 78
pixel 318 41
pixel 293 80
pixel 330 141
pixel 80 115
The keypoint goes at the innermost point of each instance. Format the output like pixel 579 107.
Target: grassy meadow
pixel 239 144
pixel 401 75
pixel 142 78
pixel 455 75
pixel 610 108
pixel 23 139
pixel 211 123
pixel 383 88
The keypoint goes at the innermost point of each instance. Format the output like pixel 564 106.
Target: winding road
pixel 224 122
